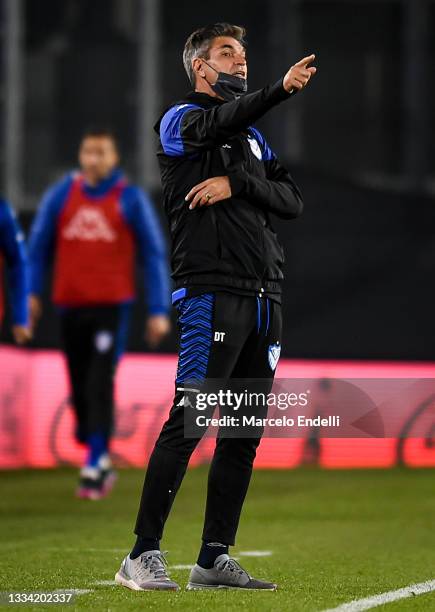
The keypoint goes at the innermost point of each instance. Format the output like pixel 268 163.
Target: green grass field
pixel 335 536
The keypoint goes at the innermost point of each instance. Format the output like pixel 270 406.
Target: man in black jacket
pixel 221 182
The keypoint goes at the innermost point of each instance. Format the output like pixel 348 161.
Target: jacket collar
pixel 203 99
pixel 105 185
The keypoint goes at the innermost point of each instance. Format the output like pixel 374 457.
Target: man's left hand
pixel 157 327
pixel 209 192
pixel 22 334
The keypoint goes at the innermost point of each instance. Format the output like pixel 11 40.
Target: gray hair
pixel 199 42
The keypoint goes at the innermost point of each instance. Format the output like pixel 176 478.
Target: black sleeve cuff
pixel 237 182
pixel 278 93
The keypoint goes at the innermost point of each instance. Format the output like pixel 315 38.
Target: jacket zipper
pixel 247 154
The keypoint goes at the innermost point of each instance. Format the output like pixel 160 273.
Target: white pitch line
pixel 358 605
pixel 255 553
pixel 115 550
pixel 75 591
pixel 83 550
pixel 246 553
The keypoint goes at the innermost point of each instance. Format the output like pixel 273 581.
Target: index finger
pixel 306 60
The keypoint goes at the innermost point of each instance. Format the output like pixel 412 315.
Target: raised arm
pixel 186 128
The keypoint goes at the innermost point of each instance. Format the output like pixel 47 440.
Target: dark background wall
pixel 359 276
pixel 360 261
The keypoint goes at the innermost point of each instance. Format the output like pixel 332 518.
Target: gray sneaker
pixel 226 574
pixel 146 573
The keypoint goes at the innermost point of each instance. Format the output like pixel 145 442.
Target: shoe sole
pixel 195 586
pixel 131 584
pixel 93 494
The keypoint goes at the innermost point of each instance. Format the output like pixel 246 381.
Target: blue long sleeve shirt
pixel 12 248
pixel 139 214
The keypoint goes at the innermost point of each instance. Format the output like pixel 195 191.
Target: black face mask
pixel 228 86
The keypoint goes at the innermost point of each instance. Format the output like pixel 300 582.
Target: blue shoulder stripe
pixel 266 152
pixel 170 129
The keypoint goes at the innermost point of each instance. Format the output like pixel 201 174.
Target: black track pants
pixel 222 336
pixel 93 339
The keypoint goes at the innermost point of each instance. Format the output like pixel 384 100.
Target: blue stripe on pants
pixel 195 316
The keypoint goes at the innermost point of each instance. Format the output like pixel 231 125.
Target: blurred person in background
pixel 91 225
pixel 221 185
pixel 12 253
